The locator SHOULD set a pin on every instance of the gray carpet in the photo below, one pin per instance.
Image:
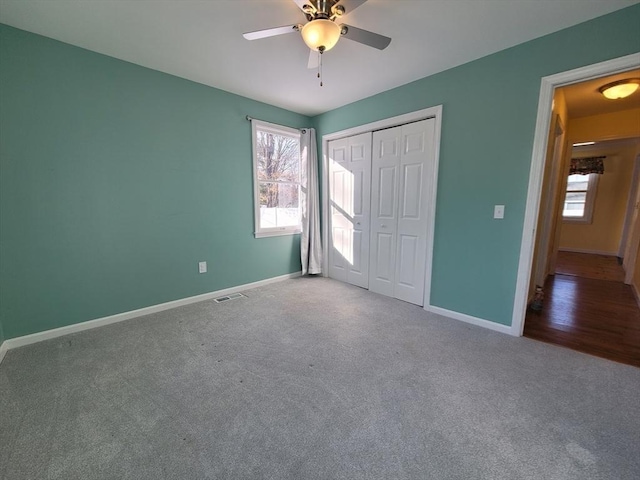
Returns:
(313, 379)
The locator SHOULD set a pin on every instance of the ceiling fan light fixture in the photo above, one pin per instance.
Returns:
(620, 89)
(320, 34)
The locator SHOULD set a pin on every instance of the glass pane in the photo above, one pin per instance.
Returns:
(279, 205)
(573, 210)
(576, 197)
(574, 204)
(582, 184)
(278, 157)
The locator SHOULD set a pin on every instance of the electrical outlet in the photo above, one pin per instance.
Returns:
(202, 267)
(498, 211)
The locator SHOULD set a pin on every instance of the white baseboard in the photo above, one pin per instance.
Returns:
(120, 317)
(469, 319)
(586, 250)
(3, 350)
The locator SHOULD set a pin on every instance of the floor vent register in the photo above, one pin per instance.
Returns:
(227, 298)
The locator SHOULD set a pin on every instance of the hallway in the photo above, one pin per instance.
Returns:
(587, 308)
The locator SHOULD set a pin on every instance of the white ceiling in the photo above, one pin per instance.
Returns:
(202, 40)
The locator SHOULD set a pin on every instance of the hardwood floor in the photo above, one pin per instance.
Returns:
(601, 267)
(594, 316)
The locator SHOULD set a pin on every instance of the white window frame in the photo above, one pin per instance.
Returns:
(259, 231)
(590, 201)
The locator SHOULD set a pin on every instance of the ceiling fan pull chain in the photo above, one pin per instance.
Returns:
(320, 68)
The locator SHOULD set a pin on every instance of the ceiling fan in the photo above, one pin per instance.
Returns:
(321, 32)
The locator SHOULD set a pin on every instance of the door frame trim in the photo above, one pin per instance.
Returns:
(547, 87)
(631, 204)
(633, 234)
(544, 243)
(434, 112)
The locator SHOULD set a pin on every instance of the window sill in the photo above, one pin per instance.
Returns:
(278, 233)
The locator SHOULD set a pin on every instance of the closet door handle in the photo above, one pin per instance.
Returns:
(383, 226)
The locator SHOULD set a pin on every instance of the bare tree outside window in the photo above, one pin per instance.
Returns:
(279, 161)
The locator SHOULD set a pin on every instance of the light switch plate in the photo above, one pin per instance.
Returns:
(498, 211)
(202, 267)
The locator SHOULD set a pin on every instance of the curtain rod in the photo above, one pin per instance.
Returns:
(303, 130)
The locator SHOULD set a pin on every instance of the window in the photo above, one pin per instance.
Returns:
(276, 176)
(579, 198)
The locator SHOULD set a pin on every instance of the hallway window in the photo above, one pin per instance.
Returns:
(579, 198)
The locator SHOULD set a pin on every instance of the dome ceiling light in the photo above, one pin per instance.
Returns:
(320, 35)
(620, 89)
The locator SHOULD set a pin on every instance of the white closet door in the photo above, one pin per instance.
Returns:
(402, 160)
(339, 206)
(416, 157)
(349, 204)
(360, 170)
(384, 209)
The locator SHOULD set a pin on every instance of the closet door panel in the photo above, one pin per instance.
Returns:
(417, 152)
(349, 203)
(387, 193)
(411, 200)
(407, 259)
(384, 256)
(360, 171)
(339, 206)
(384, 209)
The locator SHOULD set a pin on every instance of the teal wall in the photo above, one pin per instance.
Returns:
(115, 181)
(489, 114)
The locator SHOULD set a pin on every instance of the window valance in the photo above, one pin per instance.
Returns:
(585, 166)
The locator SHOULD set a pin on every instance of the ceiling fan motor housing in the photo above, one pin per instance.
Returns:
(323, 9)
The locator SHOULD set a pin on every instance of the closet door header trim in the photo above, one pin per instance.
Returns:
(431, 112)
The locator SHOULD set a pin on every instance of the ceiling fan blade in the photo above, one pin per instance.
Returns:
(313, 59)
(366, 37)
(348, 5)
(270, 32)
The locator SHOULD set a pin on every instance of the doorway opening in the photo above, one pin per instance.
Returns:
(582, 231)
(587, 305)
